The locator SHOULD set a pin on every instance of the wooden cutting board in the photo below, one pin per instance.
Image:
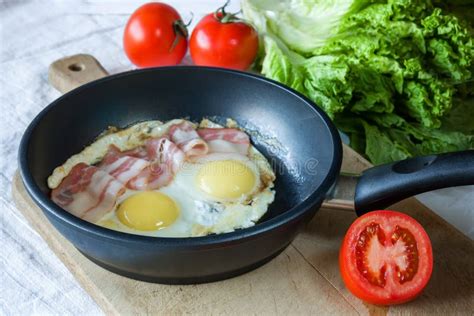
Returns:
(304, 279)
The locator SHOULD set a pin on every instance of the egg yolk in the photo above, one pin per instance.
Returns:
(225, 179)
(148, 210)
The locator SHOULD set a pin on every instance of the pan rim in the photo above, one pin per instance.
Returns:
(239, 235)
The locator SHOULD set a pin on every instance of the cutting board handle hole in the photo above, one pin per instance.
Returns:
(76, 67)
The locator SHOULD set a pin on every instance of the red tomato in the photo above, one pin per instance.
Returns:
(155, 36)
(221, 40)
(386, 258)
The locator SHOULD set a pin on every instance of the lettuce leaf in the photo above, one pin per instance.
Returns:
(303, 25)
(388, 137)
(386, 71)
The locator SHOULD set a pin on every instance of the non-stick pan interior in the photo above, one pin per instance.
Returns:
(295, 138)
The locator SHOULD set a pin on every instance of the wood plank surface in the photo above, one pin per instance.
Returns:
(304, 279)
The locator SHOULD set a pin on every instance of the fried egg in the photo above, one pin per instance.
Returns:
(220, 177)
(215, 193)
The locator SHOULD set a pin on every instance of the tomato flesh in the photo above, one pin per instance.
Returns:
(155, 36)
(386, 258)
(231, 45)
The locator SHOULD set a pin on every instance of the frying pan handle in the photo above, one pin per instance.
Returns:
(71, 72)
(381, 186)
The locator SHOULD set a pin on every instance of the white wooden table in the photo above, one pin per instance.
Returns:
(32, 35)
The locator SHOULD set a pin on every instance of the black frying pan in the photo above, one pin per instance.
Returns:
(298, 138)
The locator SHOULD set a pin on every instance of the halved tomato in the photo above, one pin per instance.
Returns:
(386, 258)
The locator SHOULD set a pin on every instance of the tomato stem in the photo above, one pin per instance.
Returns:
(225, 17)
(190, 20)
(180, 30)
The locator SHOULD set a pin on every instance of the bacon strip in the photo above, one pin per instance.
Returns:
(165, 151)
(123, 166)
(185, 136)
(88, 192)
(154, 177)
(166, 158)
(225, 140)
